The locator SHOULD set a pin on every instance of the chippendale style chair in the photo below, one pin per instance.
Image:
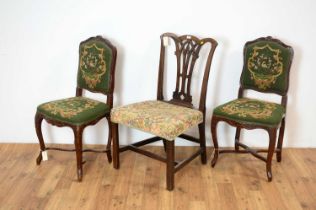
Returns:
(267, 64)
(169, 119)
(97, 59)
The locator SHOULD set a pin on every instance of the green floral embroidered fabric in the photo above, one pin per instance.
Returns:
(266, 66)
(95, 59)
(245, 110)
(159, 118)
(75, 110)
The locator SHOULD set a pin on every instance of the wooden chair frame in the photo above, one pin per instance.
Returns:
(272, 131)
(187, 52)
(78, 129)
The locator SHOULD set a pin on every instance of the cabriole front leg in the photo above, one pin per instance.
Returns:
(280, 141)
(78, 145)
(272, 139)
(214, 137)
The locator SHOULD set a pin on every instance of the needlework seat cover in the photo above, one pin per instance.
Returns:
(74, 110)
(157, 117)
(245, 110)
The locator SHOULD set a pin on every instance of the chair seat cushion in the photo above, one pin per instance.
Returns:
(75, 110)
(251, 111)
(157, 117)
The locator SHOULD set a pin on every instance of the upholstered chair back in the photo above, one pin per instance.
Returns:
(96, 58)
(266, 68)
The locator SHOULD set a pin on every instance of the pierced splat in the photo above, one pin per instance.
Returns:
(187, 54)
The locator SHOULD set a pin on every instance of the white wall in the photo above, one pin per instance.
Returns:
(39, 56)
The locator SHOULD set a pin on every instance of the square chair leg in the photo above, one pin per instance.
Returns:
(116, 145)
(170, 164)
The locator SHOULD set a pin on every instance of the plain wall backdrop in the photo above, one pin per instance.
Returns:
(39, 58)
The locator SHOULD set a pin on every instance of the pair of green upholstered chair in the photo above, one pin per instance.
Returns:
(267, 64)
(97, 59)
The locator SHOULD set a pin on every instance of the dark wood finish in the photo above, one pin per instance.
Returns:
(78, 129)
(116, 149)
(141, 143)
(280, 140)
(272, 138)
(187, 49)
(170, 170)
(202, 142)
(190, 138)
(272, 131)
(108, 145)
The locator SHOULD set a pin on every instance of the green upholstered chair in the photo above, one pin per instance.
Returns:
(97, 58)
(267, 64)
(169, 119)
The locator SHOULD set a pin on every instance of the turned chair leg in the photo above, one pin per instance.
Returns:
(38, 127)
(202, 142)
(280, 141)
(214, 137)
(237, 135)
(116, 155)
(272, 139)
(170, 165)
(108, 146)
(78, 145)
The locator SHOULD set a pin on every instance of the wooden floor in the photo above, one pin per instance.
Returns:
(237, 182)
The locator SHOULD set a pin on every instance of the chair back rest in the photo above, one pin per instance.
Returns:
(187, 49)
(267, 63)
(97, 58)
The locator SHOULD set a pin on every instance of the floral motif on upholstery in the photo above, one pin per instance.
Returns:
(245, 107)
(92, 65)
(159, 118)
(265, 65)
(68, 108)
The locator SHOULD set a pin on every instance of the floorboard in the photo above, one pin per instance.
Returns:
(237, 182)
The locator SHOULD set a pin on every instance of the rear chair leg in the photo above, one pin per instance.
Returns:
(38, 127)
(237, 135)
(202, 142)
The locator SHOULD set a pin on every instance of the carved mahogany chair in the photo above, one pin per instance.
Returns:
(97, 59)
(169, 119)
(267, 64)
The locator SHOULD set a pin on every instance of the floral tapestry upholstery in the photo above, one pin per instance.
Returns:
(95, 59)
(245, 110)
(75, 110)
(156, 117)
(266, 66)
